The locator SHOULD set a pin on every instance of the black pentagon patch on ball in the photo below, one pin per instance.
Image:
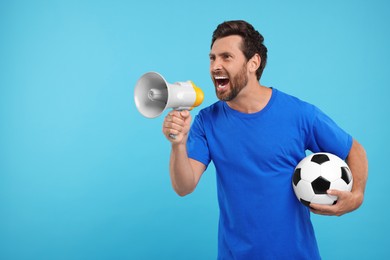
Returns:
(297, 176)
(320, 158)
(345, 175)
(320, 185)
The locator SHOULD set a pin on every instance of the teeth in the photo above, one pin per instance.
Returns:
(221, 80)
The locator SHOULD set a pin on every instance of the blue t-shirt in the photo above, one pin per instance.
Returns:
(255, 156)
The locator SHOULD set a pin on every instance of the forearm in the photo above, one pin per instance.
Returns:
(181, 172)
(358, 163)
(348, 201)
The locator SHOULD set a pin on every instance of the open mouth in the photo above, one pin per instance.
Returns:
(221, 81)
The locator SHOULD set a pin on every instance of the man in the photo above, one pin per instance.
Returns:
(255, 137)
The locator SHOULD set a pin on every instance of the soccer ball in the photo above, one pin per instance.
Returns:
(316, 174)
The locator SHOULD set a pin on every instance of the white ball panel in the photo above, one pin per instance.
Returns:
(303, 190)
(331, 171)
(338, 185)
(303, 161)
(322, 199)
(335, 159)
(310, 171)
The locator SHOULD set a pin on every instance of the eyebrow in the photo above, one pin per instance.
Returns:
(221, 54)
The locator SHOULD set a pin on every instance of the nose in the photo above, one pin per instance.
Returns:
(215, 65)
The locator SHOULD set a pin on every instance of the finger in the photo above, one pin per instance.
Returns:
(328, 210)
(169, 127)
(320, 212)
(175, 113)
(167, 131)
(320, 207)
(168, 118)
(173, 125)
(178, 121)
(172, 132)
(337, 193)
(185, 113)
(175, 117)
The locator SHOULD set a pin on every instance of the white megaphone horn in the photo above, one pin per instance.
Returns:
(153, 94)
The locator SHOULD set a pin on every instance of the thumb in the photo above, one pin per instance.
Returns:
(185, 113)
(337, 193)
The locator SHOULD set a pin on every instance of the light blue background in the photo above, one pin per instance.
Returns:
(84, 176)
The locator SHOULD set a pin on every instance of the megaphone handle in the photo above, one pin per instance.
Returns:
(173, 136)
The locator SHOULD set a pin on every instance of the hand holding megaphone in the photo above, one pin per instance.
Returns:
(153, 94)
(177, 125)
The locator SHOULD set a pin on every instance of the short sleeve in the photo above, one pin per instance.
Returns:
(327, 136)
(197, 145)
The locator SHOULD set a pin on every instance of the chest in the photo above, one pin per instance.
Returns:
(269, 143)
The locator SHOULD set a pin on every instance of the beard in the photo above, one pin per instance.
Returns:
(237, 83)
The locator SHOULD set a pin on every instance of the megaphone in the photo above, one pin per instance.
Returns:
(153, 94)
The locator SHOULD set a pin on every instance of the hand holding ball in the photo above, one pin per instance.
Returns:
(316, 174)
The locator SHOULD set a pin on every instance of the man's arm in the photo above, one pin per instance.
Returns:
(185, 172)
(348, 201)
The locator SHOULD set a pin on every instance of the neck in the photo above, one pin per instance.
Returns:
(251, 99)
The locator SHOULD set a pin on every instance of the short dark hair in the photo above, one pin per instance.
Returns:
(253, 41)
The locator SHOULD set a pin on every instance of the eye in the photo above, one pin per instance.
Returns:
(226, 56)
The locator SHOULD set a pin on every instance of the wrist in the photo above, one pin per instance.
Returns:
(179, 140)
(178, 145)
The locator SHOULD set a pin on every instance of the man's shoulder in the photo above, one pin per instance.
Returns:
(287, 100)
(211, 109)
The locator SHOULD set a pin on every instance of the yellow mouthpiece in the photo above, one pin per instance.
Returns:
(199, 95)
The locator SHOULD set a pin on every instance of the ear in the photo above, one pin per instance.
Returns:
(254, 63)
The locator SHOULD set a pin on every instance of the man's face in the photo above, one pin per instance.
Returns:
(228, 67)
